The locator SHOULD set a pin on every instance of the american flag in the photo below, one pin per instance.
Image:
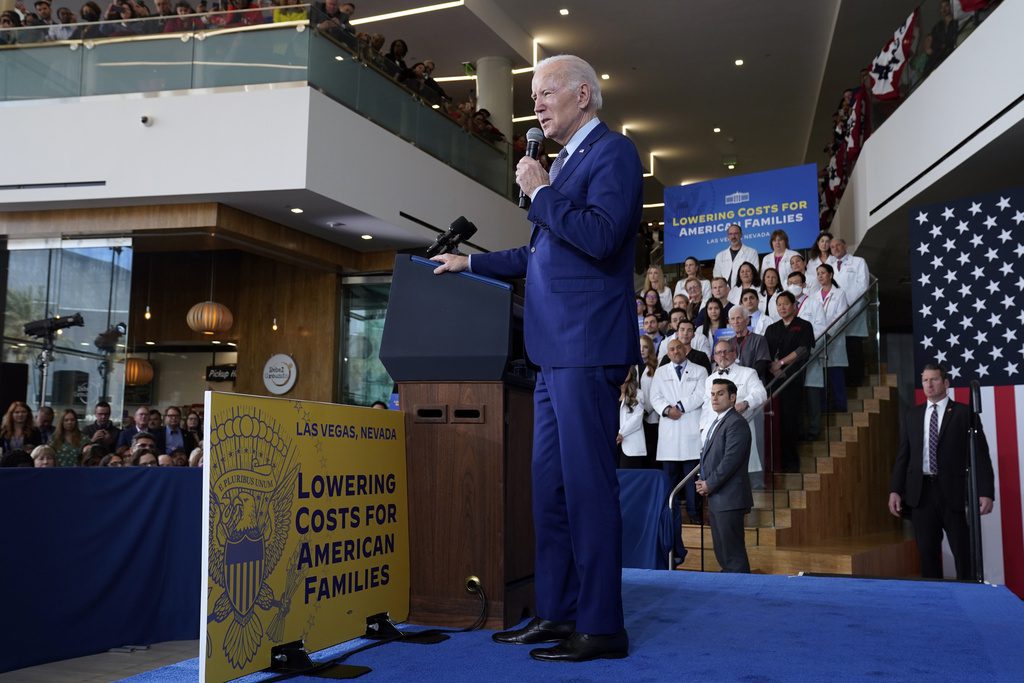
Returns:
(887, 67)
(968, 298)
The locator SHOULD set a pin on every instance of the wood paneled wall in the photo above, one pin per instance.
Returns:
(306, 303)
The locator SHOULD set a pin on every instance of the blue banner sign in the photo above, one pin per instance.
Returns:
(697, 215)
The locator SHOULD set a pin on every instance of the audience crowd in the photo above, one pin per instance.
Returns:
(757, 322)
(147, 439)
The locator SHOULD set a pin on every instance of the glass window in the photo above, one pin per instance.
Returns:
(54, 281)
(364, 306)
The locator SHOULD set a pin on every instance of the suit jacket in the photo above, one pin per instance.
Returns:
(724, 462)
(953, 457)
(580, 310)
(127, 434)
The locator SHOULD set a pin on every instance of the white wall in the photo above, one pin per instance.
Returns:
(199, 143)
(207, 143)
(393, 176)
(180, 378)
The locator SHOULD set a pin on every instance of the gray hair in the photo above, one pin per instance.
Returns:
(576, 72)
(741, 311)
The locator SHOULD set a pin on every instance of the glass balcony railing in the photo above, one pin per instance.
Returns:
(223, 49)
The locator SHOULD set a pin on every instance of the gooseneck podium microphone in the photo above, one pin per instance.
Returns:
(534, 137)
(459, 231)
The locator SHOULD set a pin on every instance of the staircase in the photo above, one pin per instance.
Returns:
(832, 516)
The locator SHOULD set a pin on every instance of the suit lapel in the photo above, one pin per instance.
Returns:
(946, 419)
(581, 152)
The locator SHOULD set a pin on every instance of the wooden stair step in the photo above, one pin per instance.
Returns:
(780, 518)
(765, 499)
(838, 420)
(787, 481)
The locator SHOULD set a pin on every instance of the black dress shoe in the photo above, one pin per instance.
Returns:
(582, 647)
(536, 631)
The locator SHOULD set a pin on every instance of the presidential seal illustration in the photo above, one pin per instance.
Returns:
(252, 477)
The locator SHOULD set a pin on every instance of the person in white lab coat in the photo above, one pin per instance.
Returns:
(822, 309)
(677, 394)
(646, 370)
(630, 439)
(750, 399)
(852, 275)
(727, 261)
(779, 256)
(691, 269)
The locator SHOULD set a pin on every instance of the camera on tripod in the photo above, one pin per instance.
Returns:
(47, 327)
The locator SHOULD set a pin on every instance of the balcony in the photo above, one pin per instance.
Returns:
(214, 55)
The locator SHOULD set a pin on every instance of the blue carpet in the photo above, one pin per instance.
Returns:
(685, 625)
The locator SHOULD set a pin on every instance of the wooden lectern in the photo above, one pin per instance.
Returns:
(469, 426)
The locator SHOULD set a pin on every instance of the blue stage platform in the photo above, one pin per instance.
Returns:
(691, 626)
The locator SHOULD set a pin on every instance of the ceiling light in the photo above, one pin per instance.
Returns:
(274, 325)
(654, 206)
(366, 237)
(84, 343)
(650, 225)
(520, 119)
(605, 77)
(564, 12)
(150, 343)
(339, 58)
(738, 62)
(450, 79)
(214, 341)
(731, 166)
(296, 210)
(409, 12)
(716, 129)
(435, 106)
(232, 344)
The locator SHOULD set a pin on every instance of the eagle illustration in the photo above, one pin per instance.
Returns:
(251, 529)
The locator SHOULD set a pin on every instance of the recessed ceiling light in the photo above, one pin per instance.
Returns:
(605, 77)
(366, 237)
(564, 12)
(84, 343)
(731, 166)
(214, 341)
(339, 58)
(738, 62)
(296, 210)
(232, 344)
(150, 343)
(435, 106)
(716, 129)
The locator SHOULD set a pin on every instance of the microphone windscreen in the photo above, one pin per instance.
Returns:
(535, 135)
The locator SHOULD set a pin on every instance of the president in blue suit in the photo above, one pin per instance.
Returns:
(580, 328)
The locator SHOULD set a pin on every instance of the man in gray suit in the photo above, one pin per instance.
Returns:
(723, 477)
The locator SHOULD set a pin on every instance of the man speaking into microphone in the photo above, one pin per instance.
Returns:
(580, 328)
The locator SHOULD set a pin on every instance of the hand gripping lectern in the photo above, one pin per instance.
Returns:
(453, 343)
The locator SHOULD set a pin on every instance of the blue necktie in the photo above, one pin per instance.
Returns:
(557, 166)
(679, 371)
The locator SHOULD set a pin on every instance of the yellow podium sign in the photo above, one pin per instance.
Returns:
(305, 531)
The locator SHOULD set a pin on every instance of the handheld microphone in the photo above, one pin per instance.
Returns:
(534, 137)
(460, 230)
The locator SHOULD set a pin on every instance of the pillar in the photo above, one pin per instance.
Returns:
(494, 91)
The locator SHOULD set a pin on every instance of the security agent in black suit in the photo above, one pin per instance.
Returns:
(932, 482)
(723, 478)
